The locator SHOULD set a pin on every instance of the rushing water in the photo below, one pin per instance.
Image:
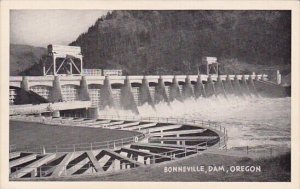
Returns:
(250, 121)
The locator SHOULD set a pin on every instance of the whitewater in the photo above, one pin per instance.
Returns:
(257, 122)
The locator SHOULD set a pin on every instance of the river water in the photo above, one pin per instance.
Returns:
(251, 121)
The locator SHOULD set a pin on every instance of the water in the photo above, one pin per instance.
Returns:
(256, 122)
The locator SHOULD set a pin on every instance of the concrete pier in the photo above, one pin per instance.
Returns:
(106, 91)
(83, 90)
(251, 86)
(199, 88)
(219, 87)
(24, 83)
(56, 94)
(127, 99)
(209, 87)
(228, 85)
(145, 95)
(175, 91)
(106, 94)
(244, 86)
(24, 97)
(187, 90)
(160, 92)
(237, 87)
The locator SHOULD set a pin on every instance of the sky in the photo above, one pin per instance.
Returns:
(43, 27)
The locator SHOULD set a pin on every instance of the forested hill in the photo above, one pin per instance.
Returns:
(25, 57)
(173, 42)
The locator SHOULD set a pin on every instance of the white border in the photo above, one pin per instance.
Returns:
(149, 5)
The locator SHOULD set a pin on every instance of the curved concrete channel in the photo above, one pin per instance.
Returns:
(160, 140)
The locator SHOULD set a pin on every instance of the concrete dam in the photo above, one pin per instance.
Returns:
(65, 85)
(94, 93)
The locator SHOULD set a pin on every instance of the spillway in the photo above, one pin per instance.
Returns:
(130, 92)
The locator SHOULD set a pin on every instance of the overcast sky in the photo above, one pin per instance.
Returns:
(43, 27)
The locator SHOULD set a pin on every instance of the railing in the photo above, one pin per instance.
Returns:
(139, 77)
(12, 148)
(87, 168)
(222, 132)
(108, 166)
(111, 165)
(152, 159)
(45, 171)
(206, 124)
(261, 152)
(215, 126)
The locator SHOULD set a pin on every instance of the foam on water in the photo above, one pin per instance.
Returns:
(250, 121)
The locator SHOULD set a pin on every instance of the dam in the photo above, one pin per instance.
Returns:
(75, 100)
(128, 92)
(64, 80)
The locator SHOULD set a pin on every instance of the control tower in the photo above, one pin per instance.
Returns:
(63, 60)
(210, 65)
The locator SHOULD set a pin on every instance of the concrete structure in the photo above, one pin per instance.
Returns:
(211, 65)
(99, 158)
(127, 92)
(50, 107)
(63, 80)
(63, 60)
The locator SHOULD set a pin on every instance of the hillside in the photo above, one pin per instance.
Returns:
(23, 57)
(174, 42)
